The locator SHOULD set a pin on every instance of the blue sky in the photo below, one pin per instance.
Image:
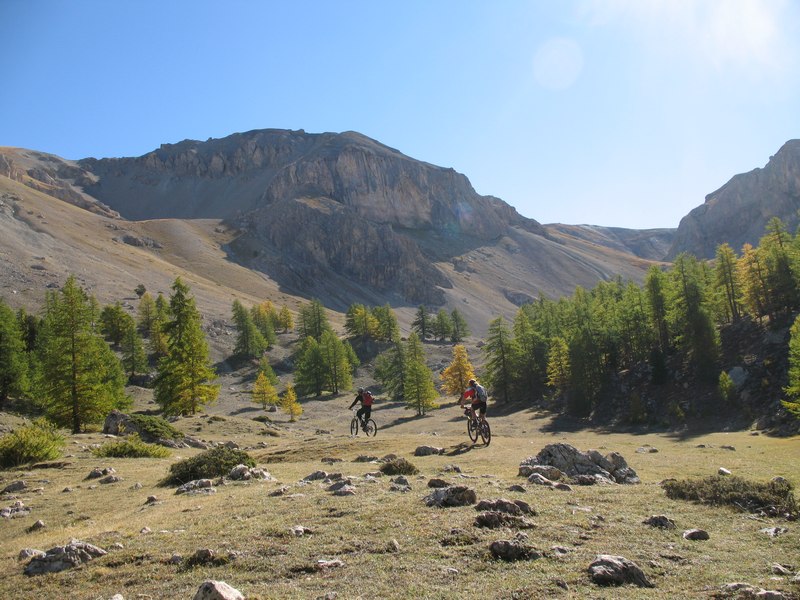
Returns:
(608, 112)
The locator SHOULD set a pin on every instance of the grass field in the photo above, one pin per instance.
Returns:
(439, 553)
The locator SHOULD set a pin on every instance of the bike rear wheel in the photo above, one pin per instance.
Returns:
(371, 428)
(472, 430)
(354, 424)
(486, 432)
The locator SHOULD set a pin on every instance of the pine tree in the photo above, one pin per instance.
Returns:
(250, 342)
(158, 338)
(183, 385)
(455, 378)
(422, 323)
(442, 326)
(419, 391)
(460, 327)
(337, 362)
(264, 392)
(13, 361)
(387, 328)
(112, 321)
(500, 352)
(313, 320)
(390, 370)
(146, 313)
(529, 370)
(134, 360)
(779, 260)
(311, 372)
(78, 380)
(656, 293)
(285, 319)
(290, 405)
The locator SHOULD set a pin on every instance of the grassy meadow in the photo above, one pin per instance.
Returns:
(439, 552)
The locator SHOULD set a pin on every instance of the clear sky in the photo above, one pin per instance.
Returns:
(608, 112)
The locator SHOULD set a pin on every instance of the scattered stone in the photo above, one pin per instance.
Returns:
(564, 487)
(281, 491)
(401, 480)
(437, 483)
(27, 553)
(451, 469)
(745, 591)
(723, 471)
(197, 485)
(117, 597)
(364, 458)
(455, 495)
(731, 448)
(300, 531)
(61, 558)
(547, 471)
(588, 479)
(346, 490)
(151, 500)
(539, 479)
(316, 476)
(245, 473)
(97, 473)
(559, 550)
(330, 460)
(137, 486)
(511, 507)
(428, 451)
(16, 486)
(117, 546)
(175, 559)
(338, 485)
(696, 534)
(646, 450)
(217, 590)
(145, 530)
(511, 550)
(572, 462)
(110, 479)
(660, 521)
(516, 488)
(16, 510)
(323, 565)
(617, 570)
(67, 490)
(774, 531)
(393, 546)
(36, 526)
(493, 519)
(784, 570)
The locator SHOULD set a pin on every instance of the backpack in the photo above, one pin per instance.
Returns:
(480, 392)
(366, 399)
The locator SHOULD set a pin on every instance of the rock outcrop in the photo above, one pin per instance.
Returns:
(573, 462)
(739, 211)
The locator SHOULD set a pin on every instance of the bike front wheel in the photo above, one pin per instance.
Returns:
(354, 426)
(486, 432)
(371, 429)
(472, 430)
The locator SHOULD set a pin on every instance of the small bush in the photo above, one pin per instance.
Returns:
(773, 498)
(216, 462)
(399, 466)
(30, 443)
(726, 387)
(153, 427)
(131, 447)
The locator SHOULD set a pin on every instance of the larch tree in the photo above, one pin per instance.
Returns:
(285, 319)
(558, 366)
(183, 383)
(460, 326)
(134, 359)
(264, 392)
(13, 360)
(337, 362)
(79, 380)
(311, 372)
(500, 351)
(390, 370)
(422, 322)
(418, 389)
(387, 329)
(250, 343)
(290, 405)
(455, 378)
(313, 320)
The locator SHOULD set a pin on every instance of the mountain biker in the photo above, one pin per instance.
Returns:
(477, 393)
(365, 412)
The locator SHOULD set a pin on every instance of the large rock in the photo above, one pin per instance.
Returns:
(573, 462)
(61, 558)
(455, 495)
(217, 590)
(511, 550)
(607, 569)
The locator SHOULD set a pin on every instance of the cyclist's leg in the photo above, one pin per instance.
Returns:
(360, 414)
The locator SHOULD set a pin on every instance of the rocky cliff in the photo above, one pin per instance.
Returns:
(738, 212)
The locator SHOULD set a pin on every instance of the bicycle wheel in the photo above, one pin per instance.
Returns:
(354, 426)
(472, 430)
(371, 429)
(486, 432)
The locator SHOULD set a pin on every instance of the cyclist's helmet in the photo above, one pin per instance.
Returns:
(472, 382)
(360, 390)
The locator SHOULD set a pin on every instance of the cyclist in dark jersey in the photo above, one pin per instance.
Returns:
(477, 394)
(365, 412)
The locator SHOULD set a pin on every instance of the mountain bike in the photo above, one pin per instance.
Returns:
(477, 427)
(370, 428)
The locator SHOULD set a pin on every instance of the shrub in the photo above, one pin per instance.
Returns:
(131, 447)
(399, 466)
(726, 387)
(30, 443)
(153, 427)
(216, 462)
(773, 498)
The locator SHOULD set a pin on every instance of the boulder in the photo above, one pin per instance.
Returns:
(573, 462)
(454, 495)
(437, 483)
(217, 590)
(511, 507)
(695, 534)
(15, 486)
(660, 521)
(511, 550)
(428, 451)
(197, 485)
(494, 519)
(607, 569)
(61, 558)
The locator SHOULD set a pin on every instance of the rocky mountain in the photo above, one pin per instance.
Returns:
(343, 218)
(738, 212)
